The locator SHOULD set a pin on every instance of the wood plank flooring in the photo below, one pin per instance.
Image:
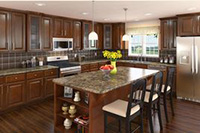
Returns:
(38, 118)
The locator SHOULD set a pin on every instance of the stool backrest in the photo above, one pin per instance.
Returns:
(137, 94)
(156, 85)
(170, 78)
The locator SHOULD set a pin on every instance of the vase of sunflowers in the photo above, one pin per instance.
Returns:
(113, 56)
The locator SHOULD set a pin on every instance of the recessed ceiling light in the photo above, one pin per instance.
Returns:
(85, 13)
(40, 4)
(192, 8)
(106, 19)
(136, 20)
(148, 14)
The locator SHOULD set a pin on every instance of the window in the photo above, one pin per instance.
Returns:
(146, 45)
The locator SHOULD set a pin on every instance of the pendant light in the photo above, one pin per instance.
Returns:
(93, 35)
(125, 36)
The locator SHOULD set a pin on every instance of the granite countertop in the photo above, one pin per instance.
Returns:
(25, 70)
(127, 61)
(94, 82)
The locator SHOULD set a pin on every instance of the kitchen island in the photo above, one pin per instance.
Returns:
(100, 91)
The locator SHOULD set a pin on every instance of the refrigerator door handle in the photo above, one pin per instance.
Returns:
(192, 58)
(196, 59)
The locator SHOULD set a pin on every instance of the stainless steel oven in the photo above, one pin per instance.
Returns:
(62, 44)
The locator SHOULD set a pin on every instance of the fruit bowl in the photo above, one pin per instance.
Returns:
(106, 71)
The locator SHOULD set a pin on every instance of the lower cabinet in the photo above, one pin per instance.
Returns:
(49, 86)
(1, 96)
(34, 89)
(15, 94)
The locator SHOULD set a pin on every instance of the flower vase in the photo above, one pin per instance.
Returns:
(114, 70)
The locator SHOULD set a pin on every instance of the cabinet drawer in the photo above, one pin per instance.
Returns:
(15, 78)
(94, 67)
(1, 80)
(85, 68)
(51, 72)
(33, 75)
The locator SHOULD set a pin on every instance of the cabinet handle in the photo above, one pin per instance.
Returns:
(65, 32)
(62, 32)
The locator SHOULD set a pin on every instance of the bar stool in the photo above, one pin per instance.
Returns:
(123, 110)
(167, 89)
(152, 98)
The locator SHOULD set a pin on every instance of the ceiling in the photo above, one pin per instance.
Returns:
(108, 11)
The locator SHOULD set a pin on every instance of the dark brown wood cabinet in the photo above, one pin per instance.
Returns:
(15, 94)
(34, 32)
(1, 96)
(118, 32)
(49, 86)
(35, 89)
(4, 30)
(58, 27)
(77, 35)
(98, 28)
(18, 23)
(168, 33)
(86, 29)
(187, 25)
(107, 39)
(68, 28)
(47, 31)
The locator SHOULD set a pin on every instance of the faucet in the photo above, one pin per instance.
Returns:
(139, 58)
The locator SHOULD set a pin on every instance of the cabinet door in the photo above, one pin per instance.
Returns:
(77, 35)
(118, 32)
(99, 30)
(4, 31)
(68, 28)
(35, 89)
(165, 37)
(1, 96)
(173, 34)
(15, 94)
(49, 86)
(186, 25)
(34, 33)
(58, 27)
(86, 29)
(108, 36)
(47, 33)
(18, 32)
(198, 25)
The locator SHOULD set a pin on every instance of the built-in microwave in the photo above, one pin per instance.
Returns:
(62, 44)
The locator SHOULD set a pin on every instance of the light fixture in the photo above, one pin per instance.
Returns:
(93, 35)
(40, 4)
(125, 36)
(85, 13)
(106, 19)
(148, 14)
(192, 8)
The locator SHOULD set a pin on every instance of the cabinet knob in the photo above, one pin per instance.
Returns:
(35, 75)
(16, 78)
(51, 72)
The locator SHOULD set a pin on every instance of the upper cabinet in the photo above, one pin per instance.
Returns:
(118, 32)
(168, 33)
(107, 30)
(189, 25)
(77, 35)
(63, 28)
(47, 31)
(98, 28)
(34, 32)
(4, 30)
(86, 29)
(12, 31)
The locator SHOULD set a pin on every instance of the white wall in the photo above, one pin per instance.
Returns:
(143, 23)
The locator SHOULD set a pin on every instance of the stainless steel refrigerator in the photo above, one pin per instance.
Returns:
(188, 68)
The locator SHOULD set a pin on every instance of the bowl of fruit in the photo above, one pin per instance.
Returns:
(106, 71)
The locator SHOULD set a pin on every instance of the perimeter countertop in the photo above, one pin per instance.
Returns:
(127, 61)
(25, 70)
(94, 82)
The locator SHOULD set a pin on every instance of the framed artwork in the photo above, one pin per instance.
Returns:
(68, 92)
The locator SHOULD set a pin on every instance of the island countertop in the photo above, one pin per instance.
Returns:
(94, 82)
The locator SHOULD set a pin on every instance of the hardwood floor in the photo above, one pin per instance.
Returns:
(38, 118)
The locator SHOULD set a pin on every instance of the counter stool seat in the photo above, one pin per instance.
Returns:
(119, 107)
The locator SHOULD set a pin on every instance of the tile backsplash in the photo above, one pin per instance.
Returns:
(13, 60)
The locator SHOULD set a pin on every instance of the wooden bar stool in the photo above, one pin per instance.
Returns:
(123, 110)
(152, 99)
(167, 89)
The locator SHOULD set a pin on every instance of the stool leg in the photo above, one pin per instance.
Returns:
(159, 115)
(120, 126)
(150, 118)
(171, 102)
(141, 118)
(105, 123)
(165, 106)
(128, 126)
